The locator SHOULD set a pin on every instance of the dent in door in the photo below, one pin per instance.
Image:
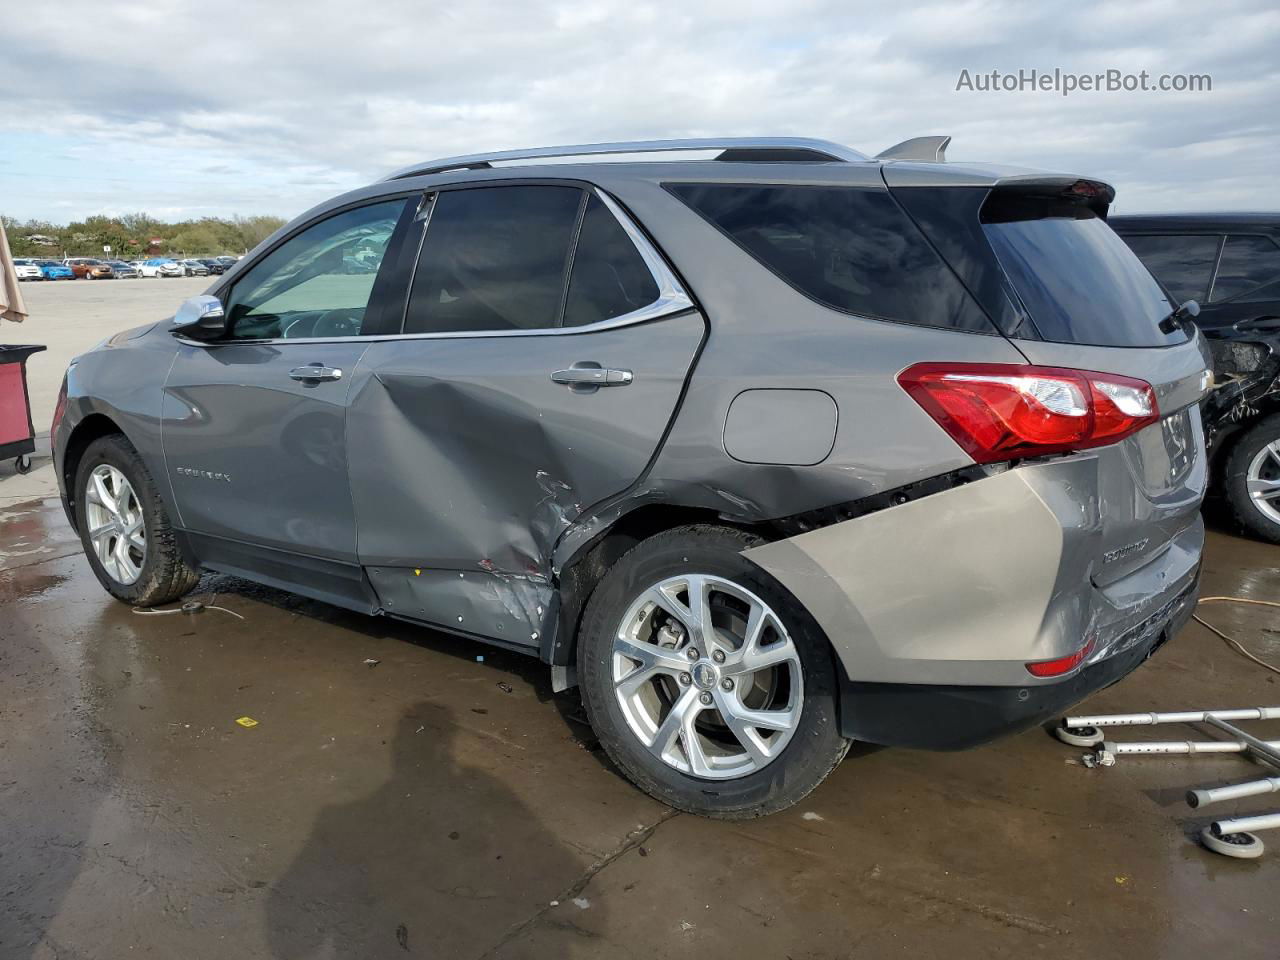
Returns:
(467, 457)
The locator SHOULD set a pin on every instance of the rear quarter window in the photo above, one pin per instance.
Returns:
(1078, 280)
(849, 248)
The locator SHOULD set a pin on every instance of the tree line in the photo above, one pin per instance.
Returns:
(136, 235)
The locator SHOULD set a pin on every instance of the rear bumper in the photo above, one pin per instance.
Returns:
(935, 607)
(953, 717)
(967, 586)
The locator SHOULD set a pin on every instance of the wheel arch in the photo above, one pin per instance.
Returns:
(92, 427)
(583, 570)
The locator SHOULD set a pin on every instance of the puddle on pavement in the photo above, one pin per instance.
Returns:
(34, 530)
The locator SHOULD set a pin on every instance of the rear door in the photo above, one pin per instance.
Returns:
(254, 423)
(543, 353)
(1095, 307)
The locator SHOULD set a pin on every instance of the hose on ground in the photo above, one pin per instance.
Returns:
(1230, 641)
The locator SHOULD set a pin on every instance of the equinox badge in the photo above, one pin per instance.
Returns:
(203, 474)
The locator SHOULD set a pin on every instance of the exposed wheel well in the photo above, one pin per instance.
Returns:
(580, 576)
(87, 430)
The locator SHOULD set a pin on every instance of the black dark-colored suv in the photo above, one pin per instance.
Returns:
(1230, 264)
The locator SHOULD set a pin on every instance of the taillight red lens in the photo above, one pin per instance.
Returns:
(999, 411)
(1056, 668)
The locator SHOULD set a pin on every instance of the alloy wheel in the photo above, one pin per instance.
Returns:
(707, 677)
(1263, 481)
(115, 524)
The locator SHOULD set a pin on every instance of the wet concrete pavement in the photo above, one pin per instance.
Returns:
(435, 806)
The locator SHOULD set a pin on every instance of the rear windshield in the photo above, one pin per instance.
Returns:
(850, 248)
(1077, 279)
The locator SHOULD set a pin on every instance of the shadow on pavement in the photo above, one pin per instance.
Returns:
(422, 867)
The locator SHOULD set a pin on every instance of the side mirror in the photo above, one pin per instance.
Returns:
(200, 317)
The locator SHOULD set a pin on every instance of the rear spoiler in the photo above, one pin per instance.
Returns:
(927, 149)
(1094, 194)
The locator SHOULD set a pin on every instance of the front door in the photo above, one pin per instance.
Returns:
(544, 351)
(254, 423)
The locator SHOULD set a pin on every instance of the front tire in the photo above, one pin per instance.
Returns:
(707, 683)
(1252, 487)
(124, 527)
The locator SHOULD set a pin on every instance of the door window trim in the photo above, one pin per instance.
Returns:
(673, 298)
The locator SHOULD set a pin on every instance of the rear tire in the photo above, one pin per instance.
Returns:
(760, 737)
(115, 491)
(1253, 463)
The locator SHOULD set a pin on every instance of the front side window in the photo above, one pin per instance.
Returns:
(1247, 263)
(1183, 264)
(319, 281)
(494, 258)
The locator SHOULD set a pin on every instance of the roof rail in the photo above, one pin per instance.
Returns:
(789, 148)
(929, 149)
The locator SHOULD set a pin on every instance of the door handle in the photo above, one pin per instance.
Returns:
(314, 372)
(592, 376)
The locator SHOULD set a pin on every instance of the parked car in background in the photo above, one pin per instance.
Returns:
(554, 416)
(161, 267)
(213, 266)
(122, 269)
(1230, 264)
(89, 268)
(27, 270)
(194, 268)
(55, 270)
(227, 262)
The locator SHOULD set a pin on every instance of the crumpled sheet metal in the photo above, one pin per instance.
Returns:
(511, 609)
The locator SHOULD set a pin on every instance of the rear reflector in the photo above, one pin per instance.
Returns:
(999, 411)
(1056, 668)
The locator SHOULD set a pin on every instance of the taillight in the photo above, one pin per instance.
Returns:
(1056, 668)
(1004, 411)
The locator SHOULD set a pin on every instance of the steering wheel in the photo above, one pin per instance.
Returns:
(342, 322)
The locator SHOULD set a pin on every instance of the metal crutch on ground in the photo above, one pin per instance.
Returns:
(1232, 837)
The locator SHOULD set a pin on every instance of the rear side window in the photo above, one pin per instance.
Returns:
(1183, 264)
(1247, 263)
(609, 276)
(1078, 280)
(850, 248)
(494, 258)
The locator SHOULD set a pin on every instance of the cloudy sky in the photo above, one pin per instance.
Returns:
(214, 108)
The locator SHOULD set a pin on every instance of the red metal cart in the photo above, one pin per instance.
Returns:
(17, 435)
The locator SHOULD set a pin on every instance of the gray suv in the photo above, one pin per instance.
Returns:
(767, 449)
